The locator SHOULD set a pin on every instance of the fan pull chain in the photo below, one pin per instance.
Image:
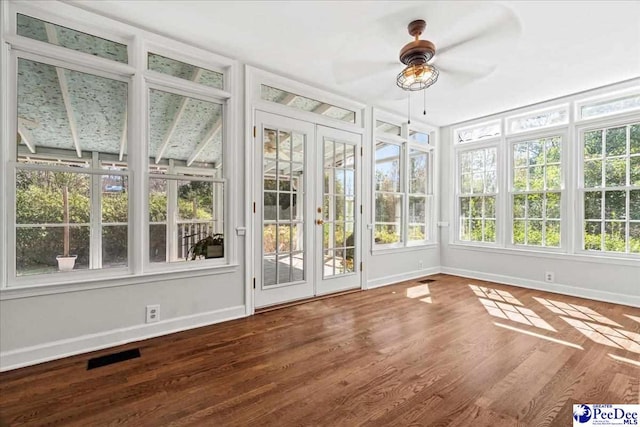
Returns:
(409, 107)
(424, 112)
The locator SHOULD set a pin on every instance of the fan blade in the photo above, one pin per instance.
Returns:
(351, 71)
(499, 23)
(462, 71)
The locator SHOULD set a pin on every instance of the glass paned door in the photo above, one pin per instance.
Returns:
(338, 212)
(283, 270)
(307, 195)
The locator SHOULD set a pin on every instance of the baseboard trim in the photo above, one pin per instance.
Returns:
(623, 299)
(28, 356)
(395, 278)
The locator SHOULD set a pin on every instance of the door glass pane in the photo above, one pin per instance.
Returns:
(339, 205)
(283, 220)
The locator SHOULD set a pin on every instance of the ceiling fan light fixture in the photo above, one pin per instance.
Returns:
(417, 77)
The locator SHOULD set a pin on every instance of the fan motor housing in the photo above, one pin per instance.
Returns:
(417, 52)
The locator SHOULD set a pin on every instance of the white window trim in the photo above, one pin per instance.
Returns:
(571, 173)
(564, 229)
(610, 96)
(406, 145)
(510, 119)
(457, 151)
(581, 129)
(135, 74)
(256, 77)
(476, 124)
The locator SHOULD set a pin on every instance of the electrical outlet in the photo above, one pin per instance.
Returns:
(549, 277)
(153, 313)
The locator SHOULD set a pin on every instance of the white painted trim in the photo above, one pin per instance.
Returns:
(396, 278)
(118, 278)
(5, 134)
(557, 288)
(27, 356)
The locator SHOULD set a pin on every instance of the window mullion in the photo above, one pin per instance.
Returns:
(404, 190)
(172, 217)
(95, 233)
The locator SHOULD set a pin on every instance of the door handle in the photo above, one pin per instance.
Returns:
(319, 221)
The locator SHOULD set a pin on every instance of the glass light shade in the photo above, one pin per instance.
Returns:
(417, 77)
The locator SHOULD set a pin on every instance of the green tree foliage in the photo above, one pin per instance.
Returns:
(39, 201)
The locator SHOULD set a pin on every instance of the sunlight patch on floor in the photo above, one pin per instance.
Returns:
(517, 314)
(624, 359)
(576, 311)
(420, 291)
(494, 294)
(544, 337)
(601, 334)
(636, 318)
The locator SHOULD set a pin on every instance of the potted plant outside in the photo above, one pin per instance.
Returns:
(66, 262)
(209, 247)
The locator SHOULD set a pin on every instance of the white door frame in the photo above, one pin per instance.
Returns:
(254, 78)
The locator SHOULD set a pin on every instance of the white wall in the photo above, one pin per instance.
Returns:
(386, 268)
(574, 275)
(47, 327)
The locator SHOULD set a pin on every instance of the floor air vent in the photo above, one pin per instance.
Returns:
(110, 359)
(426, 281)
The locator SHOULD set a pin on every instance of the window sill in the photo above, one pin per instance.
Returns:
(399, 249)
(17, 291)
(552, 253)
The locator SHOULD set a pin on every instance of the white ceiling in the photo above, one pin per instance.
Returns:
(526, 51)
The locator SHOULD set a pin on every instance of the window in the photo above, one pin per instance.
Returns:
(403, 191)
(184, 71)
(536, 191)
(71, 194)
(302, 103)
(389, 196)
(387, 128)
(186, 189)
(421, 138)
(55, 34)
(419, 195)
(477, 191)
(611, 189)
(619, 104)
(539, 120)
(70, 215)
(478, 132)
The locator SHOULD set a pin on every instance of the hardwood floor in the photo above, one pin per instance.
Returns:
(395, 356)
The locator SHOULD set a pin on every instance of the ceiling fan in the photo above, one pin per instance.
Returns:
(471, 41)
(418, 74)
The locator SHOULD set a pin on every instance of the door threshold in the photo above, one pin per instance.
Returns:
(304, 301)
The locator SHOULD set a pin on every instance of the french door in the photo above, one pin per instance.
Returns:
(307, 216)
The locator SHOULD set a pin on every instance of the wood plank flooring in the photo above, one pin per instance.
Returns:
(440, 354)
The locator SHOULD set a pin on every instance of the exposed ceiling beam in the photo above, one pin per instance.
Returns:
(64, 88)
(26, 137)
(176, 120)
(123, 137)
(287, 100)
(217, 127)
(25, 134)
(322, 108)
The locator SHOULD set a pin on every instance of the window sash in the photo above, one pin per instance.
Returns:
(404, 225)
